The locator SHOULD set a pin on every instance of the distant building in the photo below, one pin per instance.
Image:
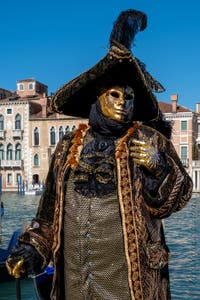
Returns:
(29, 132)
(5, 94)
(31, 87)
(185, 135)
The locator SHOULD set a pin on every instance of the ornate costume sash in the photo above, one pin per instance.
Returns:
(127, 207)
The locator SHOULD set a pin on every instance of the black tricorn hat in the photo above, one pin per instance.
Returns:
(118, 67)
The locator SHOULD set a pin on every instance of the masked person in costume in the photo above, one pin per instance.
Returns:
(109, 185)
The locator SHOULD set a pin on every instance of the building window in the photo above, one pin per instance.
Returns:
(30, 86)
(21, 87)
(1, 122)
(36, 160)
(184, 125)
(1, 152)
(9, 152)
(73, 127)
(67, 129)
(18, 151)
(9, 111)
(198, 128)
(18, 176)
(36, 137)
(183, 152)
(18, 121)
(52, 136)
(9, 178)
(184, 155)
(61, 133)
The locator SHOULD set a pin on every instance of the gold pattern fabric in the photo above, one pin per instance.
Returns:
(142, 201)
(94, 255)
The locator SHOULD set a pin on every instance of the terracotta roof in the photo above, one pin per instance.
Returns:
(26, 80)
(30, 80)
(167, 108)
(8, 91)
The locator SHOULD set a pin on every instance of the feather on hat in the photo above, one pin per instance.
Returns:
(118, 67)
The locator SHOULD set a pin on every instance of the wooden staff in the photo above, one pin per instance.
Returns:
(16, 270)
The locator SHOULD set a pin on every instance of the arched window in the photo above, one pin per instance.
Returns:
(61, 133)
(18, 152)
(67, 129)
(21, 87)
(1, 151)
(36, 137)
(9, 152)
(36, 160)
(18, 121)
(73, 127)
(9, 178)
(52, 136)
(30, 86)
(1, 122)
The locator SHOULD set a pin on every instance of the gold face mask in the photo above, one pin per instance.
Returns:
(117, 103)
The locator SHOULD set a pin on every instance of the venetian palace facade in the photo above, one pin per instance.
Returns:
(29, 132)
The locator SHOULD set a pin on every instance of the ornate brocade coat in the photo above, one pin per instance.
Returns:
(143, 202)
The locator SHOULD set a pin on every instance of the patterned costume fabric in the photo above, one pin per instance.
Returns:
(102, 243)
(99, 220)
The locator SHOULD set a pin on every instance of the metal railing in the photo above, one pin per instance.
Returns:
(11, 163)
(185, 162)
(17, 133)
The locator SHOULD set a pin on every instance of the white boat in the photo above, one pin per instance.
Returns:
(34, 192)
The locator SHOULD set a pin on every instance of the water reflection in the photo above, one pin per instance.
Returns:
(182, 234)
(18, 211)
(183, 237)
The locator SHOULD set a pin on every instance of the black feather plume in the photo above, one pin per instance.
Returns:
(126, 27)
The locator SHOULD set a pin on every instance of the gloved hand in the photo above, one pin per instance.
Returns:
(24, 259)
(147, 156)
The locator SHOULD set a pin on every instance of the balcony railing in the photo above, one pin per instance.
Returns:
(11, 163)
(185, 162)
(17, 134)
(196, 163)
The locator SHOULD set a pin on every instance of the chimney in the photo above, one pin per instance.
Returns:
(174, 99)
(44, 110)
(198, 107)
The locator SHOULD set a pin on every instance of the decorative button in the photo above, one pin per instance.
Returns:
(88, 235)
(102, 146)
(90, 264)
(36, 225)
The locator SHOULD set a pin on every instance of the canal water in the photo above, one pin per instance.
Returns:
(182, 232)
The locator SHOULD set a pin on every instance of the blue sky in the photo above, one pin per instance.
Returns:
(54, 41)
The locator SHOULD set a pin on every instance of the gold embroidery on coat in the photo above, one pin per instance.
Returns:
(128, 218)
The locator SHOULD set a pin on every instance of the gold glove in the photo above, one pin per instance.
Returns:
(147, 156)
(15, 266)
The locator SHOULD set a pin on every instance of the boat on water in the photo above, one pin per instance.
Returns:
(34, 192)
(42, 282)
(4, 253)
